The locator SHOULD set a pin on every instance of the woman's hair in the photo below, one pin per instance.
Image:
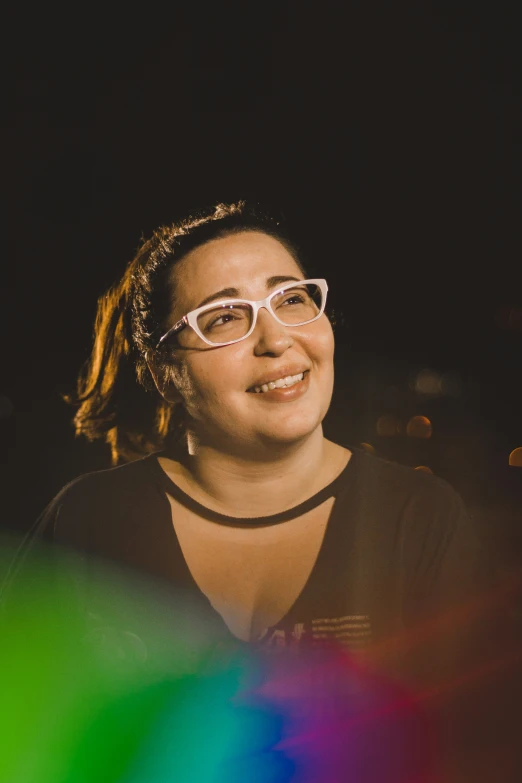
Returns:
(117, 399)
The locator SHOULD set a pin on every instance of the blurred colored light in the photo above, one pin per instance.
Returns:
(80, 707)
(427, 382)
(368, 448)
(424, 469)
(515, 458)
(419, 427)
(387, 426)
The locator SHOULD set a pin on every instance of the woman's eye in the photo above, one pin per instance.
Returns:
(293, 299)
(222, 320)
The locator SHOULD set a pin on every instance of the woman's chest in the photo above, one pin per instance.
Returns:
(252, 577)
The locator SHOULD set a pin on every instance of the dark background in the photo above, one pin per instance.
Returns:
(390, 136)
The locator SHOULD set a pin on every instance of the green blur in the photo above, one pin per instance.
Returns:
(83, 702)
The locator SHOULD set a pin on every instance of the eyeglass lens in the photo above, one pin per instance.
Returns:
(231, 321)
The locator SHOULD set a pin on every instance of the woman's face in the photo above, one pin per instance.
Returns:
(216, 384)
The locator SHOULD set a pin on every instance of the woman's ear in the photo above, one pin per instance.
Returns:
(163, 378)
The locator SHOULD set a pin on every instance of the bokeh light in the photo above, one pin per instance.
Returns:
(430, 383)
(368, 448)
(515, 458)
(427, 382)
(419, 427)
(423, 469)
(387, 426)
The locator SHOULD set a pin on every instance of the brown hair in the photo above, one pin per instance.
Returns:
(116, 397)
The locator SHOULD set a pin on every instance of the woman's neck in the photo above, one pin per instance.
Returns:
(242, 487)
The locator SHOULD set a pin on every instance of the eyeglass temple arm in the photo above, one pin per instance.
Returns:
(178, 326)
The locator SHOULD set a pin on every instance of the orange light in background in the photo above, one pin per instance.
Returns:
(368, 448)
(419, 427)
(427, 382)
(388, 426)
(431, 383)
(515, 458)
(424, 469)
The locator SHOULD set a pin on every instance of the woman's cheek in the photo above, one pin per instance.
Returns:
(321, 346)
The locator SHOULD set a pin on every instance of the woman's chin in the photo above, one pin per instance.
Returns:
(288, 436)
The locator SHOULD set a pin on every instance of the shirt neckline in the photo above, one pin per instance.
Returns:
(249, 522)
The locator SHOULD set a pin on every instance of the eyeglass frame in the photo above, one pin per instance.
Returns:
(190, 319)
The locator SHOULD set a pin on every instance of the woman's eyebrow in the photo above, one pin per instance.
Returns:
(234, 292)
(223, 294)
(278, 279)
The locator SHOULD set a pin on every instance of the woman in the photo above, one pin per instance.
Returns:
(211, 374)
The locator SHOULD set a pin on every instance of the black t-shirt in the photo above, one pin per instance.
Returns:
(399, 552)
(401, 580)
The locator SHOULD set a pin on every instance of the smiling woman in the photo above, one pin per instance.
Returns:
(177, 299)
(268, 327)
(210, 377)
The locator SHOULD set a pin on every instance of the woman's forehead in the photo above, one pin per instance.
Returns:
(244, 261)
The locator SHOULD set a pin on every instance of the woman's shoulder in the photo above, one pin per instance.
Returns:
(406, 484)
(107, 483)
(101, 499)
(424, 512)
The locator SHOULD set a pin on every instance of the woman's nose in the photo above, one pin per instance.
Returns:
(272, 337)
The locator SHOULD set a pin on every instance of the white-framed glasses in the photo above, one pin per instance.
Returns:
(231, 320)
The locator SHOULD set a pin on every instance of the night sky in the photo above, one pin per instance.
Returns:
(390, 136)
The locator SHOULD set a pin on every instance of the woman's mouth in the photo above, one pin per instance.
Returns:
(283, 389)
(280, 383)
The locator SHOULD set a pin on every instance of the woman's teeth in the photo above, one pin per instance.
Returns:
(281, 383)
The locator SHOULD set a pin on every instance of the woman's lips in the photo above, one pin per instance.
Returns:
(285, 394)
